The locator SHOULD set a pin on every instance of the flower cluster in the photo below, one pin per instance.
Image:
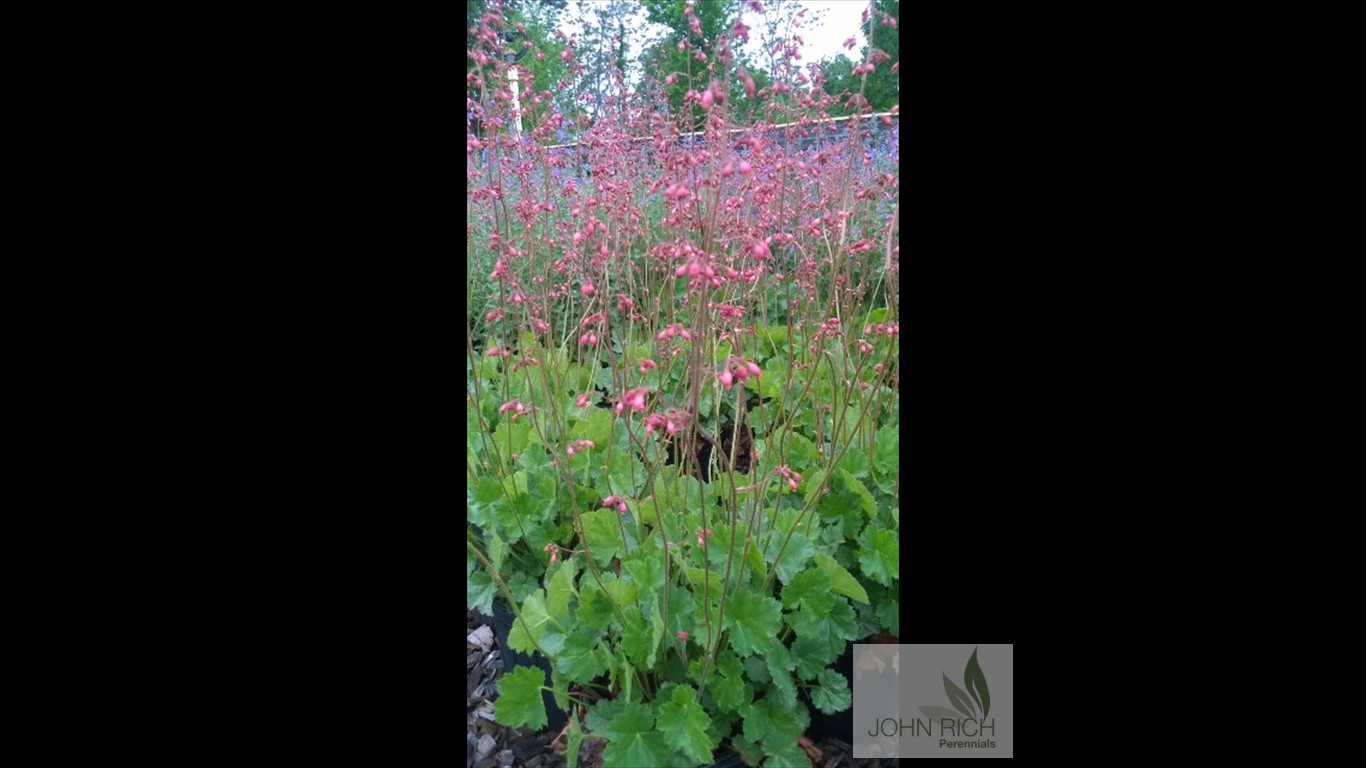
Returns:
(674, 330)
(738, 370)
(669, 421)
(890, 329)
(615, 501)
(634, 399)
(793, 478)
(515, 406)
(578, 447)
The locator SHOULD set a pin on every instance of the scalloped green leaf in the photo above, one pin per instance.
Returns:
(530, 625)
(685, 725)
(728, 687)
(831, 694)
(813, 654)
(594, 611)
(810, 592)
(479, 591)
(879, 555)
(841, 580)
(794, 558)
(583, 657)
(753, 621)
(603, 530)
(633, 741)
(560, 589)
(519, 700)
(780, 664)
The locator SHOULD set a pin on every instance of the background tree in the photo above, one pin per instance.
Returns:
(663, 59)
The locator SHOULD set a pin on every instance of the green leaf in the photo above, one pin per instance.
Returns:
(516, 434)
(519, 698)
(533, 620)
(841, 580)
(855, 493)
(684, 725)
(813, 655)
(810, 591)
(582, 658)
(889, 613)
(976, 683)
(753, 621)
(596, 427)
(784, 753)
(886, 450)
(755, 718)
(780, 664)
(633, 741)
(560, 589)
(571, 752)
(594, 611)
(958, 699)
(479, 591)
(729, 688)
(855, 461)
(831, 694)
(656, 634)
(636, 637)
(603, 531)
(795, 557)
(879, 555)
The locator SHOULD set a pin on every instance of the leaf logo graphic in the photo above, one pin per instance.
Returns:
(976, 683)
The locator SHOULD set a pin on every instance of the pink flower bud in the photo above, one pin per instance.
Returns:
(569, 450)
(727, 170)
(671, 427)
(707, 99)
(727, 379)
(621, 507)
(753, 368)
(609, 501)
(681, 271)
(586, 290)
(745, 167)
(582, 400)
(792, 484)
(682, 635)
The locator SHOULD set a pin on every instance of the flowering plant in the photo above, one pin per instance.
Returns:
(682, 418)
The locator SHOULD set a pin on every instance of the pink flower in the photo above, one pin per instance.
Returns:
(707, 99)
(621, 507)
(682, 635)
(647, 364)
(587, 290)
(554, 552)
(609, 501)
(753, 368)
(745, 167)
(727, 379)
(582, 400)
